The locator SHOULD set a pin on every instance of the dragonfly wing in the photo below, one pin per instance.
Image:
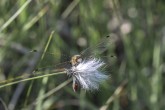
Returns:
(99, 49)
(58, 67)
(51, 54)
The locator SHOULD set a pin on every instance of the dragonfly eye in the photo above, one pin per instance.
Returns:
(75, 60)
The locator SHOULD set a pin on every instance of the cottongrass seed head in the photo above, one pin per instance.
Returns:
(88, 74)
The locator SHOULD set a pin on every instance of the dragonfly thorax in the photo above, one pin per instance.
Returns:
(75, 60)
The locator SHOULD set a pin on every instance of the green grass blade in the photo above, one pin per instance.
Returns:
(28, 79)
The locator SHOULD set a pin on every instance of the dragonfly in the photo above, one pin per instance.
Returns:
(84, 68)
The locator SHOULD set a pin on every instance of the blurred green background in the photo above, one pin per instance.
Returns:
(138, 27)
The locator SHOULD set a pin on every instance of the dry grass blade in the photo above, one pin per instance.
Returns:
(115, 95)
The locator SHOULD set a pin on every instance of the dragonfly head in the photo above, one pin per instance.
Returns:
(75, 60)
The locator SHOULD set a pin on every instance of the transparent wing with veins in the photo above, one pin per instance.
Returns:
(90, 52)
(53, 67)
(58, 67)
(99, 49)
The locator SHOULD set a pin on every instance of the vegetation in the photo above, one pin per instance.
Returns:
(58, 29)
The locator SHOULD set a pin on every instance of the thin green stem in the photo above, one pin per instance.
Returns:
(28, 79)
(15, 15)
(45, 79)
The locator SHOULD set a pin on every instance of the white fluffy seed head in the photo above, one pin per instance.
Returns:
(87, 73)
